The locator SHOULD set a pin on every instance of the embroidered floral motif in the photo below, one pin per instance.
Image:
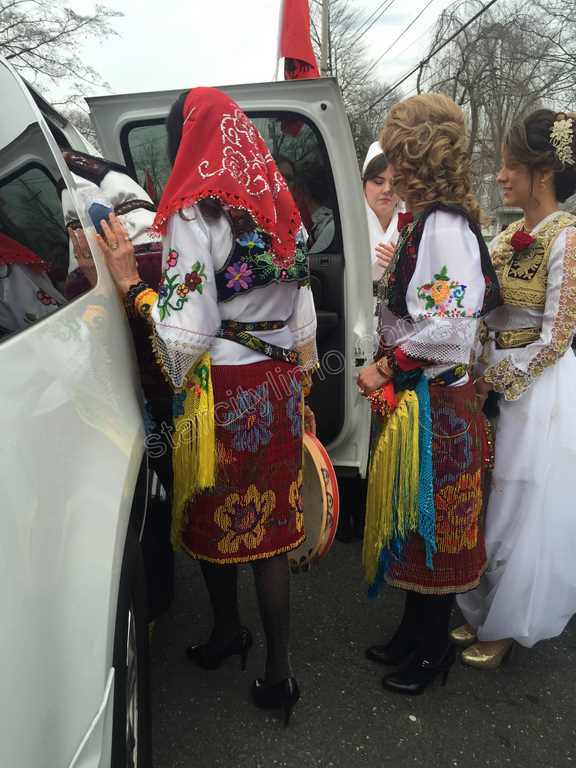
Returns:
(250, 419)
(458, 508)
(239, 276)
(253, 264)
(242, 519)
(296, 500)
(252, 240)
(251, 173)
(174, 291)
(46, 299)
(443, 295)
(294, 407)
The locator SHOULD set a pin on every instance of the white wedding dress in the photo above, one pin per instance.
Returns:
(528, 592)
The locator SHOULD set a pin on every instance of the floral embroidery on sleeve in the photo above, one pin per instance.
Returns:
(443, 295)
(174, 291)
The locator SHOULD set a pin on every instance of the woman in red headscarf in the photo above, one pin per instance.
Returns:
(26, 292)
(234, 329)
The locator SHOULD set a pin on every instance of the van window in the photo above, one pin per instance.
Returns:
(297, 148)
(38, 276)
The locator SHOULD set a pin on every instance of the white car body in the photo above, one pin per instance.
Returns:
(73, 443)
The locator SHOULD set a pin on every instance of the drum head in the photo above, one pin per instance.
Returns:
(315, 506)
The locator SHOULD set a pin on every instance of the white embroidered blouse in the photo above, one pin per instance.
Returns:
(444, 297)
(186, 326)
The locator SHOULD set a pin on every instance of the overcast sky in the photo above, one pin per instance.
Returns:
(165, 44)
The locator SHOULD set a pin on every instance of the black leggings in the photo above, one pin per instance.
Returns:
(272, 581)
(425, 623)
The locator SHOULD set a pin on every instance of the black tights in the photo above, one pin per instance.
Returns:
(425, 624)
(272, 580)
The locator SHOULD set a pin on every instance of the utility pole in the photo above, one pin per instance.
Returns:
(325, 51)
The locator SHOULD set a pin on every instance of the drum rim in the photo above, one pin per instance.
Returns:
(329, 534)
(310, 444)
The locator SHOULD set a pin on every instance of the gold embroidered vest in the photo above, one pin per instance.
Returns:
(523, 276)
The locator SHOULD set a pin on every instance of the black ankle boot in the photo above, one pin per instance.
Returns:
(211, 658)
(282, 695)
(393, 653)
(420, 672)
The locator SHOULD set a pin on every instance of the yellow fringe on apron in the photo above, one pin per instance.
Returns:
(392, 503)
(194, 452)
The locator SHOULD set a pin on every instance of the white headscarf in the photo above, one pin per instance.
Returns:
(377, 234)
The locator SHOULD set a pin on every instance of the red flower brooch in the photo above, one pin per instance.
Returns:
(521, 241)
(404, 219)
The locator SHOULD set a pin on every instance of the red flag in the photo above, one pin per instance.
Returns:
(295, 44)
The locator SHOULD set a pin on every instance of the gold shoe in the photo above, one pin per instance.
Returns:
(464, 635)
(488, 655)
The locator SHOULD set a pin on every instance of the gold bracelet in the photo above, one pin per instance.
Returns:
(144, 301)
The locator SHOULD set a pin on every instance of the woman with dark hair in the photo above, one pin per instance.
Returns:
(528, 593)
(382, 208)
(425, 484)
(233, 326)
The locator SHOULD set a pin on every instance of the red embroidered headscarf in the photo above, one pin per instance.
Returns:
(222, 155)
(12, 252)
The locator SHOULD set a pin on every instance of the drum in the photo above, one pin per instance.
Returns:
(320, 505)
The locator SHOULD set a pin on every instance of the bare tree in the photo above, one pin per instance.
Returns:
(42, 39)
(350, 64)
(498, 69)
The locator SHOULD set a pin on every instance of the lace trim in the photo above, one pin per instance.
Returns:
(174, 359)
(504, 375)
(307, 355)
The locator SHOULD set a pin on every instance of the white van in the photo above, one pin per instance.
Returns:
(74, 476)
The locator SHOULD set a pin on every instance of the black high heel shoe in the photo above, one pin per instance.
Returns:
(418, 674)
(206, 658)
(282, 695)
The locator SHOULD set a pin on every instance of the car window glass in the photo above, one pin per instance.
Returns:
(298, 150)
(37, 273)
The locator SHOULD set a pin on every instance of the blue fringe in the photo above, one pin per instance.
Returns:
(426, 508)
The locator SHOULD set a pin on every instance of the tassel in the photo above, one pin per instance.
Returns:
(194, 452)
(426, 505)
(392, 504)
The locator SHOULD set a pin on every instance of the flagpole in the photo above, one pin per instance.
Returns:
(324, 53)
(279, 52)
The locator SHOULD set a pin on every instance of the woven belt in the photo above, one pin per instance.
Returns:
(233, 330)
(265, 325)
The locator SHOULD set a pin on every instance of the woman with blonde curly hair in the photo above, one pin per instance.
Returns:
(425, 485)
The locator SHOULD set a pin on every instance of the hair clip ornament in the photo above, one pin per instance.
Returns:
(561, 138)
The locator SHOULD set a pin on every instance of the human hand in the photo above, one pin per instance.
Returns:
(119, 254)
(482, 390)
(83, 255)
(370, 379)
(309, 420)
(384, 254)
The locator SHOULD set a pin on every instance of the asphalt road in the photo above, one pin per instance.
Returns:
(522, 715)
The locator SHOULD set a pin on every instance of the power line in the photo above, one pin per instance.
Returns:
(373, 19)
(400, 36)
(430, 56)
